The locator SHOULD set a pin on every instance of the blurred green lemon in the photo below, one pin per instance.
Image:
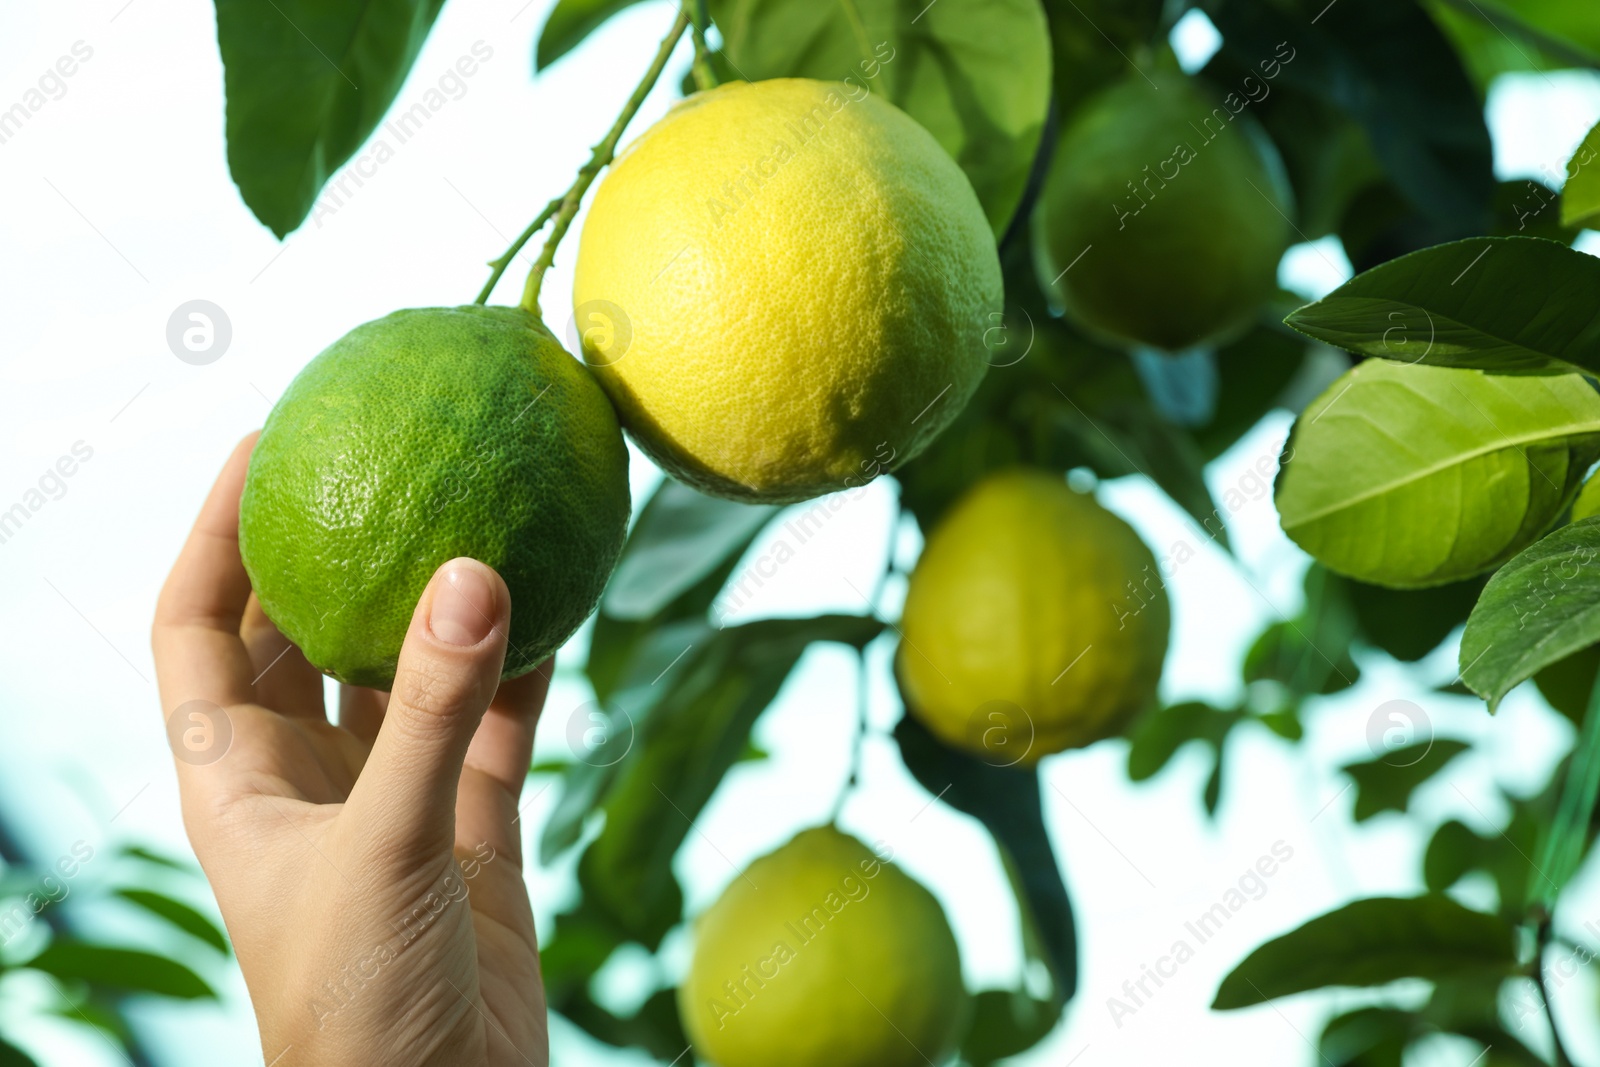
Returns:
(1163, 216)
(823, 954)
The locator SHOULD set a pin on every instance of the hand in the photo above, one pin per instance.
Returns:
(370, 873)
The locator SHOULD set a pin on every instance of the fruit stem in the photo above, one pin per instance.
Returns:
(598, 159)
(504, 261)
(705, 76)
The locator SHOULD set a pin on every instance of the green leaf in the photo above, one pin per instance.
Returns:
(681, 537)
(693, 734)
(178, 914)
(1495, 37)
(1507, 304)
(1308, 655)
(1364, 57)
(1253, 373)
(119, 968)
(976, 74)
(1387, 782)
(12, 1056)
(1008, 801)
(1416, 476)
(1161, 734)
(307, 82)
(1373, 942)
(1580, 197)
(1091, 40)
(1566, 683)
(569, 22)
(1410, 623)
(654, 1027)
(1539, 608)
(139, 852)
(1505, 854)
(1367, 1037)
(1567, 836)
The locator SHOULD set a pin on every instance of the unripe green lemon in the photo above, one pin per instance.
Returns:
(426, 435)
(823, 954)
(1163, 216)
(784, 287)
(1035, 621)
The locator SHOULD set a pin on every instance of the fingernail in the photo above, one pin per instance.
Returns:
(463, 608)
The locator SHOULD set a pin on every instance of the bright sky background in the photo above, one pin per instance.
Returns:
(119, 208)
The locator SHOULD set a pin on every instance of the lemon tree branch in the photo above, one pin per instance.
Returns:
(504, 261)
(602, 155)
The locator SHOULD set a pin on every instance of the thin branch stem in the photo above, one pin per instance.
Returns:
(705, 76)
(601, 156)
(504, 261)
(862, 677)
(860, 741)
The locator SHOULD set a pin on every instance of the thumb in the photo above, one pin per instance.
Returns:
(448, 672)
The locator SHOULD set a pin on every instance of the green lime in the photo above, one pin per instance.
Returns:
(426, 435)
(1164, 214)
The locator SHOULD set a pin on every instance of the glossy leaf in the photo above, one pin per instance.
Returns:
(1580, 197)
(1386, 782)
(307, 82)
(1508, 304)
(1539, 608)
(1417, 476)
(976, 73)
(569, 22)
(178, 914)
(126, 969)
(1373, 942)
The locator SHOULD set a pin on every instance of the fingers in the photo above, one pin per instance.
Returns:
(198, 652)
(283, 680)
(487, 808)
(449, 668)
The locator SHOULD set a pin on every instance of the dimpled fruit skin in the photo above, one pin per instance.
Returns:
(426, 435)
(1190, 265)
(1022, 576)
(879, 980)
(796, 282)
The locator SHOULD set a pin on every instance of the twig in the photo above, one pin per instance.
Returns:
(504, 261)
(705, 75)
(601, 156)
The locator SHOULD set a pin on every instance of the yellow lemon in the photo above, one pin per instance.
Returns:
(823, 954)
(1035, 621)
(784, 287)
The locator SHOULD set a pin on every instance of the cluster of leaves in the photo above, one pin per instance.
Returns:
(1409, 480)
(1444, 459)
(51, 911)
